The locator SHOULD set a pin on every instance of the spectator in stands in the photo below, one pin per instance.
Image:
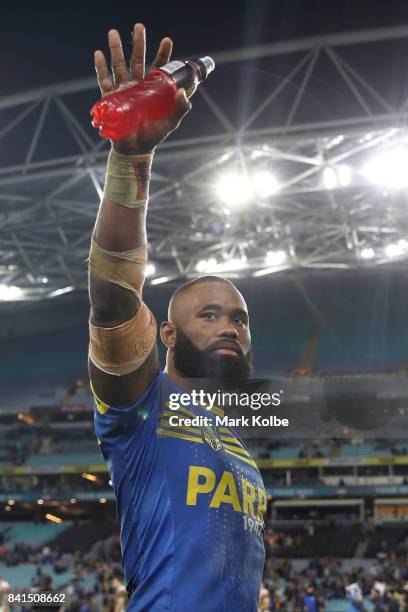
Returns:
(264, 599)
(377, 600)
(119, 591)
(310, 529)
(4, 590)
(310, 601)
(391, 603)
(356, 604)
(403, 601)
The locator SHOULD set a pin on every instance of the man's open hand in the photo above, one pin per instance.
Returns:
(150, 133)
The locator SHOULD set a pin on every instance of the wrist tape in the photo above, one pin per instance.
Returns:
(127, 179)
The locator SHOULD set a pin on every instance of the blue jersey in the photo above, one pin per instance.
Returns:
(310, 603)
(190, 504)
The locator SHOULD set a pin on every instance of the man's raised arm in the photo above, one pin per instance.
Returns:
(123, 354)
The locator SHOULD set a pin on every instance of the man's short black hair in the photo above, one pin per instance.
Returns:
(196, 281)
(209, 278)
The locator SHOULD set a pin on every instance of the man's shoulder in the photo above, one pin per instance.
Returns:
(154, 389)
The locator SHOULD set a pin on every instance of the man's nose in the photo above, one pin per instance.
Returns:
(228, 330)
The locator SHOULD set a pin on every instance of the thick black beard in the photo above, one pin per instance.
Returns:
(220, 371)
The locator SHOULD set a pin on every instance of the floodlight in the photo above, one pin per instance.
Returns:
(10, 293)
(265, 184)
(344, 175)
(275, 258)
(329, 178)
(233, 189)
(367, 253)
(231, 265)
(388, 169)
(201, 265)
(61, 291)
(396, 249)
(212, 265)
(160, 280)
(150, 269)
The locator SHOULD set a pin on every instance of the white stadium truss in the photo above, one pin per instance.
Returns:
(294, 108)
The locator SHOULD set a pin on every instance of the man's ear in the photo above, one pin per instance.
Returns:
(168, 334)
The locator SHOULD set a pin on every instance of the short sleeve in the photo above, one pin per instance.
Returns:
(112, 421)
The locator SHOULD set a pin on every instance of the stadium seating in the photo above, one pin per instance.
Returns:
(52, 357)
(333, 541)
(81, 537)
(36, 534)
(66, 459)
(384, 539)
(23, 574)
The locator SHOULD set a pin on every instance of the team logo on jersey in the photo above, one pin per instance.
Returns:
(210, 435)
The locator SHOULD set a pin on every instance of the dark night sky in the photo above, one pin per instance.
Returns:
(49, 42)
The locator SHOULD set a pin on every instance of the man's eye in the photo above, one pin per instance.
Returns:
(210, 316)
(240, 321)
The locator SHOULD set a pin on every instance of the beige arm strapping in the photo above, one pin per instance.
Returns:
(124, 268)
(122, 349)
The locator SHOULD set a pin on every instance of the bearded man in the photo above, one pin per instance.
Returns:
(190, 500)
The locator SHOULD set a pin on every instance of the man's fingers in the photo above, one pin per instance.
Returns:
(102, 73)
(137, 60)
(182, 102)
(163, 54)
(183, 106)
(119, 69)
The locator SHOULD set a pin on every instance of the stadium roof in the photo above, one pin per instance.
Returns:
(309, 136)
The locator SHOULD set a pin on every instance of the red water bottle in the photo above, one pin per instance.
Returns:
(121, 112)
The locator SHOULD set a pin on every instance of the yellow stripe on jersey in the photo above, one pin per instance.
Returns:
(225, 430)
(174, 434)
(100, 405)
(237, 449)
(231, 439)
(166, 423)
(249, 461)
